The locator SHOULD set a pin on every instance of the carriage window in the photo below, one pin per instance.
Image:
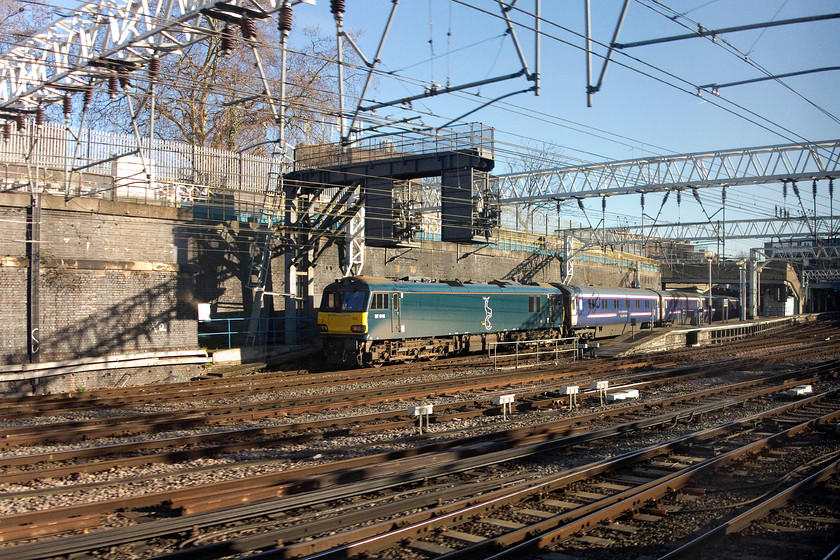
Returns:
(617, 304)
(647, 304)
(380, 301)
(534, 304)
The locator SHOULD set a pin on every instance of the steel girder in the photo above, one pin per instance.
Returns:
(100, 36)
(821, 252)
(816, 160)
(732, 229)
(822, 275)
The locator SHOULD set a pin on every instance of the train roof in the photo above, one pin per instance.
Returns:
(375, 283)
(681, 294)
(606, 292)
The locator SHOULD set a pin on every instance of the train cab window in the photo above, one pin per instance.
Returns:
(345, 302)
(534, 304)
(380, 301)
(353, 302)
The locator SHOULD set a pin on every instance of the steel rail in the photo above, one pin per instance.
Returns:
(439, 459)
(743, 520)
(302, 431)
(371, 540)
(539, 535)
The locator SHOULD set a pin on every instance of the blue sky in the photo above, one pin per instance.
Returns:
(634, 115)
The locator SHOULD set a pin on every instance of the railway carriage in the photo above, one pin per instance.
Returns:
(595, 312)
(680, 308)
(367, 320)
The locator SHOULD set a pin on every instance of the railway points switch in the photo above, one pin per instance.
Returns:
(506, 402)
(572, 391)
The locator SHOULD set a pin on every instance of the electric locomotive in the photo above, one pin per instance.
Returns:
(370, 321)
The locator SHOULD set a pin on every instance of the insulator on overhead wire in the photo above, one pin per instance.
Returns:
(831, 188)
(122, 76)
(336, 7)
(226, 44)
(154, 68)
(67, 105)
(248, 27)
(679, 197)
(643, 202)
(580, 204)
(20, 120)
(814, 189)
(696, 195)
(723, 195)
(603, 204)
(39, 115)
(88, 98)
(784, 190)
(7, 130)
(284, 19)
(795, 188)
(113, 85)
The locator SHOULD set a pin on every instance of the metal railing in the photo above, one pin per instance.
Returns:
(538, 348)
(472, 137)
(232, 332)
(151, 170)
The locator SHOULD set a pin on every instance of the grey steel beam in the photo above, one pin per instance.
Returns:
(745, 166)
(732, 229)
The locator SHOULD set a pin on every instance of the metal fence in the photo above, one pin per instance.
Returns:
(472, 137)
(150, 169)
(532, 351)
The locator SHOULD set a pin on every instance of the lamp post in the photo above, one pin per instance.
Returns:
(709, 255)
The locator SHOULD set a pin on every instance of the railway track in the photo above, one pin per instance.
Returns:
(298, 477)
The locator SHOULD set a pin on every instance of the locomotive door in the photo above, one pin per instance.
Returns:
(396, 314)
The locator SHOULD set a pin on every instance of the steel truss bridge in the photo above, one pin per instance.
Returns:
(769, 228)
(724, 168)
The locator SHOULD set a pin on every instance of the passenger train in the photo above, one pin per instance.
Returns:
(370, 321)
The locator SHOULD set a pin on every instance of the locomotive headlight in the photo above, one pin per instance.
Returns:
(322, 327)
(357, 328)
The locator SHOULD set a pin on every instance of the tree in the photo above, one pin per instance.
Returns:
(19, 21)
